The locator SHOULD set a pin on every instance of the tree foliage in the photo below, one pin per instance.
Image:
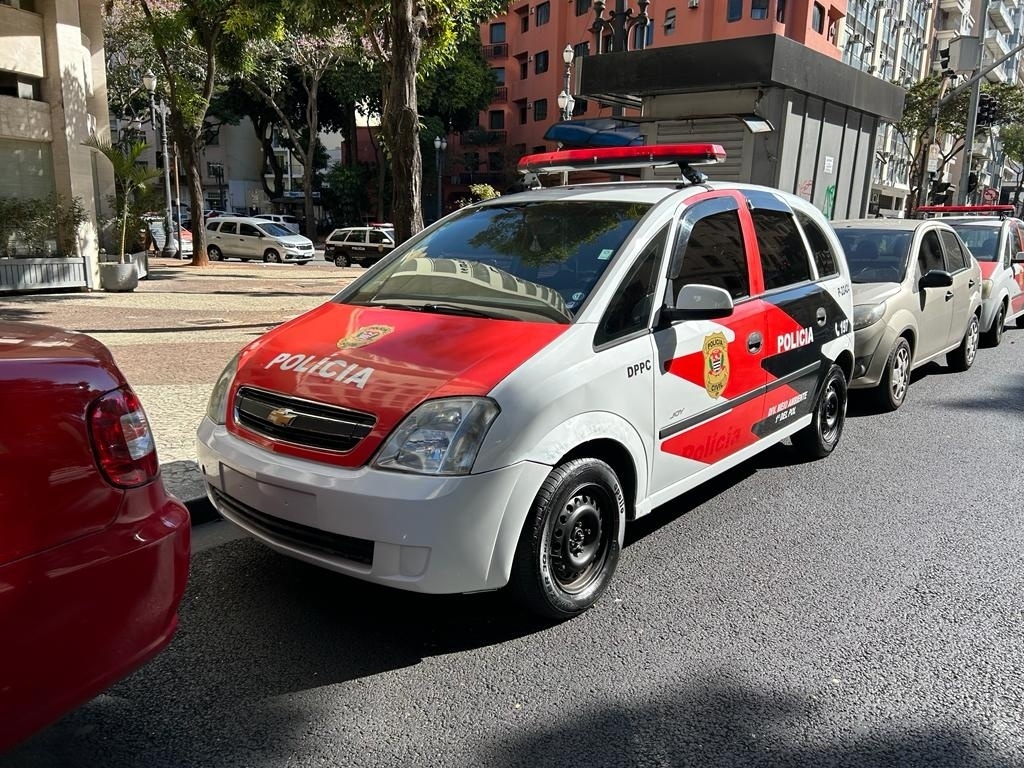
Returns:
(130, 178)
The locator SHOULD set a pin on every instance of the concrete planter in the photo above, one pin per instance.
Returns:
(119, 277)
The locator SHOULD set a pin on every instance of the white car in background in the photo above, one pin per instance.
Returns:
(288, 222)
(249, 238)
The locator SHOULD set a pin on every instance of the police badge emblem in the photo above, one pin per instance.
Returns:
(716, 363)
(363, 336)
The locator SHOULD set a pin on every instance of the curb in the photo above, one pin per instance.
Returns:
(184, 480)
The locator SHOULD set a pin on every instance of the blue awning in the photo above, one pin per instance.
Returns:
(599, 132)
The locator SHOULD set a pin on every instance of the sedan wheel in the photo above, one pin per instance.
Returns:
(994, 335)
(341, 260)
(272, 257)
(892, 389)
(214, 253)
(962, 358)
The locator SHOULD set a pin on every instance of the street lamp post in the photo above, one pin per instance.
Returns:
(149, 81)
(565, 100)
(440, 145)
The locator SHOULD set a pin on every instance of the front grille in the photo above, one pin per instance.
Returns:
(295, 534)
(301, 422)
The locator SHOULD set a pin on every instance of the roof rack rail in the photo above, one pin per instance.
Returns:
(685, 156)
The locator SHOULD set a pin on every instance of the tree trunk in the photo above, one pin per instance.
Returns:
(401, 116)
(194, 182)
(309, 170)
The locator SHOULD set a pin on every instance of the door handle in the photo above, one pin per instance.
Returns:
(754, 342)
(820, 316)
(949, 295)
(970, 284)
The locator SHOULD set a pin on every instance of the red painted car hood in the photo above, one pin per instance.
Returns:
(384, 362)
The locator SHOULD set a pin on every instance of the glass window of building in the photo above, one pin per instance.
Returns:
(759, 9)
(543, 14)
(734, 10)
(540, 62)
(498, 33)
(540, 110)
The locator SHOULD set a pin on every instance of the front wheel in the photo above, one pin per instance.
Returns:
(892, 389)
(994, 335)
(341, 260)
(962, 358)
(570, 543)
(272, 257)
(818, 439)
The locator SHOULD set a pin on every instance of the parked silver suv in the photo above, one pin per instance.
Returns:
(916, 297)
(244, 237)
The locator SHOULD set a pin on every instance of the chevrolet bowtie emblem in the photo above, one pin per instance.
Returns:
(282, 417)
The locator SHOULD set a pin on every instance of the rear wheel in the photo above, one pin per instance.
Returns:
(272, 256)
(214, 253)
(994, 335)
(571, 540)
(962, 358)
(892, 389)
(818, 439)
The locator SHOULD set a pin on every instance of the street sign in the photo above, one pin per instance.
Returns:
(934, 154)
(990, 195)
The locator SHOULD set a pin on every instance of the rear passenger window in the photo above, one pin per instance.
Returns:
(783, 254)
(631, 309)
(821, 248)
(954, 251)
(248, 230)
(377, 237)
(715, 255)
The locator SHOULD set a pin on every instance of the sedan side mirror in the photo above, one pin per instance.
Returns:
(1019, 258)
(936, 278)
(699, 302)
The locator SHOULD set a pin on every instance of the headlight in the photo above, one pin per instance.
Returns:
(986, 288)
(867, 314)
(441, 437)
(217, 409)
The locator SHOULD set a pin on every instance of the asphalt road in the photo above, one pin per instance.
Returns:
(865, 610)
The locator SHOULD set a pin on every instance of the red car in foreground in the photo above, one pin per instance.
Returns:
(94, 552)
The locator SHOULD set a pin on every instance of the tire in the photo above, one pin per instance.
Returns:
(214, 253)
(561, 567)
(272, 257)
(962, 358)
(1019, 322)
(341, 260)
(994, 335)
(819, 438)
(891, 391)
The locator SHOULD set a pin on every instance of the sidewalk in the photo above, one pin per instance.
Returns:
(173, 335)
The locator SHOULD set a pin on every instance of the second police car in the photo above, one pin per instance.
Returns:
(493, 402)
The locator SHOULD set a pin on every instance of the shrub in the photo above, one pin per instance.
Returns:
(39, 227)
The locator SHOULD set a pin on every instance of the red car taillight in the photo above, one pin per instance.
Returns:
(122, 439)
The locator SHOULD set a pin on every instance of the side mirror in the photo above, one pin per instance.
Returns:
(936, 278)
(1019, 257)
(699, 302)
(261, 233)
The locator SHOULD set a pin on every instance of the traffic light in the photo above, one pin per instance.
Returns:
(972, 182)
(941, 192)
(987, 108)
(944, 61)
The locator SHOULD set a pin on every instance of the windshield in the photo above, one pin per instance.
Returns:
(982, 240)
(876, 255)
(274, 230)
(531, 260)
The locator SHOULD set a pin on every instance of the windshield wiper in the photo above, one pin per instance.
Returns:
(454, 309)
(394, 305)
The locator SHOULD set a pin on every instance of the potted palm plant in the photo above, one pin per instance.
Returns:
(130, 178)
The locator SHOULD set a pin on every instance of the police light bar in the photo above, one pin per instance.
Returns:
(616, 158)
(966, 209)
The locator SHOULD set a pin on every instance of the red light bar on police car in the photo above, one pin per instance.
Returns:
(965, 208)
(614, 158)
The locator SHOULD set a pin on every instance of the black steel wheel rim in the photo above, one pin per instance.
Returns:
(580, 537)
(831, 412)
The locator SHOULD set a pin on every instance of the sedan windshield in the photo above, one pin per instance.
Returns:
(983, 240)
(274, 230)
(532, 260)
(876, 255)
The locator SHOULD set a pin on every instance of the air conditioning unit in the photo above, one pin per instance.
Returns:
(694, 3)
(901, 24)
(856, 38)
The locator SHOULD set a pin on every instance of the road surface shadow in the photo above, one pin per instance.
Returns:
(715, 723)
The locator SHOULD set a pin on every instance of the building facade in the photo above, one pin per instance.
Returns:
(52, 99)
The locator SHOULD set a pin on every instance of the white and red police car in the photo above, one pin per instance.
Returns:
(996, 239)
(490, 404)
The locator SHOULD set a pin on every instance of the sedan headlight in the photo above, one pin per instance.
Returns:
(986, 288)
(867, 314)
(441, 437)
(217, 409)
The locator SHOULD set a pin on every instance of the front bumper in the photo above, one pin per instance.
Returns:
(989, 307)
(298, 255)
(871, 348)
(414, 532)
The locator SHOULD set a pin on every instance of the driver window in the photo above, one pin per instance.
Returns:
(248, 230)
(930, 255)
(715, 255)
(630, 310)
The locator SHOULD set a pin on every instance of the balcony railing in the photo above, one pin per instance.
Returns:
(996, 42)
(1000, 15)
(482, 138)
(496, 51)
(501, 94)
